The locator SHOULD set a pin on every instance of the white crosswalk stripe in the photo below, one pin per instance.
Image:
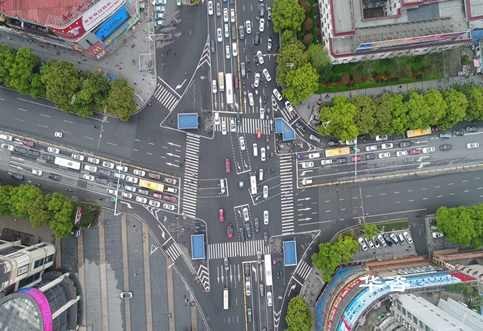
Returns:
(237, 248)
(303, 270)
(286, 193)
(168, 98)
(190, 179)
(172, 251)
(204, 277)
(248, 125)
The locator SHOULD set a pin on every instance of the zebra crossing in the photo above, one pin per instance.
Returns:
(190, 179)
(287, 115)
(286, 194)
(165, 94)
(172, 250)
(303, 270)
(247, 125)
(237, 248)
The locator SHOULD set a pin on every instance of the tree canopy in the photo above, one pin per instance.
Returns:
(298, 316)
(338, 119)
(287, 15)
(462, 225)
(318, 56)
(120, 101)
(300, 84)
(370, 230)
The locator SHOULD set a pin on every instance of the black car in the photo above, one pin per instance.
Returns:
(54, 177)
(370, 156)
(471, 129)
(265, 236)
(233, 32)
(242, 233)
(269, 13)
(248, 230)
(387, 238)
(257, 224)
(459, 133)
(404, 144)
(16, 176)
(341, 160)
(241, 31)
(261, 12)
(213, 46)
(445, 147)
(257, 38)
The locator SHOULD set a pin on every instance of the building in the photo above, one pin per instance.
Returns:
(22, 265)
(87, 26)
(357, 30)
(417, 313)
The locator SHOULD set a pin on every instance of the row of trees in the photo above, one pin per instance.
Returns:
(462, 225)
(333, 254)
(297, 67)
(30, 203)
(298, 315)
(74, 91)
(393, 114)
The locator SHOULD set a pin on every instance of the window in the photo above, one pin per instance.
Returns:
(38, 263)
(49, 258)
(22, 270)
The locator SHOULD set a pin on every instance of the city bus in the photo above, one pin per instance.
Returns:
(67, 163)
(339, 151)
(221, 82)
(158, 187)
(229, 88)
(268, 270)
(253, 185)
(418, 132)
(226, 302)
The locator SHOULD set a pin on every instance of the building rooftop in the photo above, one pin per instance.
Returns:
(53, 13)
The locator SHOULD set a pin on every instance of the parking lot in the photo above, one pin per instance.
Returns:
(387, 245)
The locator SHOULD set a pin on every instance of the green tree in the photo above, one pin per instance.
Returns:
(419, 112)
(456, 111)
(300, 84)
(120, 101)
(37, 89)
(7, 59)
(287, 15)
(383, 115)
(61, 80)
(291, 57)
(437, 106)
(90, 98)
(5, 201)
(22, 70)
(61, 210)
(364, 118)
(317, 55)
(38, 214)
(21, 199)
(474, 94)
(338, 119)
(394, 107)
(298, 316)
(461, 225)
(370, 230)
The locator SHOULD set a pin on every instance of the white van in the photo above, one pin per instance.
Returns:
(90, 168)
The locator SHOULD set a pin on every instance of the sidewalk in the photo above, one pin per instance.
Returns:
(308, 110)
(131, 56)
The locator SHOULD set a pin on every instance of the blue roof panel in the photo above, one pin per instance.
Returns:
(289, 253)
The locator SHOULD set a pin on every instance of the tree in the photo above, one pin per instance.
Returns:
(22, 70)
(338, 119)
(61, 80)
(38, 214)
(392, 114)
(419, 112)
(300, 84)
(90, 98)
(37, 89)
(287, 15)
(317, 55)
(370, 230)
(456, 111)
(364, 118)
(383, 115)
(120, 101)
(21, 200)
(7, 58)
(5, 203)
(474, 94)
(291, 57)
(462, 225)
(437, 105)
(61, 211)
(298, 316)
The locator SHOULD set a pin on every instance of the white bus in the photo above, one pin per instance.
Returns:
(229, 88)
(67, 163)
(253, 184)
(268, 270)
(226, 302)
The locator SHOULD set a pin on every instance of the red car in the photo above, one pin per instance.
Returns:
(157, 195)
(357, 158)
(221, 215)
(259, 133)
(228, 166)
(229, 231)
(169, 198)
(414, 151)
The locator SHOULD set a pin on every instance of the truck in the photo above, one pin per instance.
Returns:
(221, 81)
(153, 186)
(418, 132)
(338, 151)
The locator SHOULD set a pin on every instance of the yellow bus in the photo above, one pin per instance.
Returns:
(418, 132)
(339, 151)
(151, 185)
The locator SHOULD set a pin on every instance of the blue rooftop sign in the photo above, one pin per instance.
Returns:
(198, 247)
(281, 127)
(187, 121)
(289, 253)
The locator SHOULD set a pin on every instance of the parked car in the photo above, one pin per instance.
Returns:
(408, 237)
(436, 234)
(362, 243)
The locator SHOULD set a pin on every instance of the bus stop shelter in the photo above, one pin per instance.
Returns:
(188, 121)
(281, 127)
(289, 253)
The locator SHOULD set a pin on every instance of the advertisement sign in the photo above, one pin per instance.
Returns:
(73, 31)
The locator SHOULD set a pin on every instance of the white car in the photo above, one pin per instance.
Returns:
(210, 8)
(227, 52)
(130, 188)
(108, 164)
(78, 157)
(227, 31)
(362, 242)
(6, 137)
(255, 150)
(37, 172)
(289, 106)
(437, 234)
(306, 181)
(260, 57)
(93, 160)
(277, 94)
(408, 237)
(269, 299)
(266, 74)
(262, 113)
(384, 155)
(325, 162)
(218, 9)
(225, 15)
(260, 175)
(126, 195)
(111, 191)
(214, 87)
(160, 8)
(242, 143)
(265, 192)
(401, 153)
(308, 164)
(472, 145)
(251, 102)
(120, 176)
(246, 217)
(154, 203)
(387, 146)
(234, 49)
(132, 179)
(248, 27)
(170, 189)
(261, 25)
(426, 150)
(58, 134)
(381, 138)
(139, 172)
(371, 148)
(232, 15)
(232, 125)
(263, 154)
(219, 35)
(256, 83)
(88, 177)
(169, 206)
(223, 127)
(265, 217)
(121, 168)
(8, 147)
(217, 118)
(54, 150)
(141, 199)
(314, 155)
